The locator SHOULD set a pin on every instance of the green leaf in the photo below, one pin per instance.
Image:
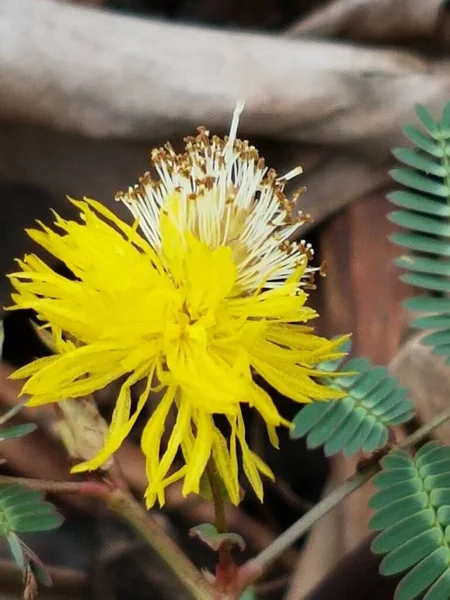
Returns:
(419, 203)
(423, 575)
(426, 224)
(428, 122)
(23, 510)
(419, 182)
(391, 513)
(418, 161)
(25, 558)
(421, 243)
(412, 513)
(427, 282)
(208, 534)
(402, 531)
(395, 492)
(16, 550)
(411, 552)
(423, 141)
(428, 304)
(422, 264)
(445, 121)
(416, 222)
(440, 589)
(17, 431)
(359, 421)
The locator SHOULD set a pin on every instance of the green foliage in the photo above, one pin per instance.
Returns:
(413, 514)
(23, 510)
(27, 560)
(26, 511)
(425, 217)
(373, 402)
(16, 431)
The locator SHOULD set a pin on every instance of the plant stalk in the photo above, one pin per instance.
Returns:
(225, 558)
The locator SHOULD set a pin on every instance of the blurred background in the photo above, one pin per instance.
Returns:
(88, 87)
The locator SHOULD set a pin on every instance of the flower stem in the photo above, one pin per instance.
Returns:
(225, 559)
(217, 496)
(256, 566)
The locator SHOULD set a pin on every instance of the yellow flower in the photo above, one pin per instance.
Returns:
(210, 293)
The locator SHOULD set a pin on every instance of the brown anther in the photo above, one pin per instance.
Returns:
(298, 192)
(323, 269)
(304, 218)
(203, 132)
(209, 182)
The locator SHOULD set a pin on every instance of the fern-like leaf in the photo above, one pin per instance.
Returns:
(374, 402)
(24, 511)
(17, 431)
(425, 217)
(413, 514)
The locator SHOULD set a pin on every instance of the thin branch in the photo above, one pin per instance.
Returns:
(13, 411)
(94, 489)
(125, 506)
(424, 431)
(255, 567)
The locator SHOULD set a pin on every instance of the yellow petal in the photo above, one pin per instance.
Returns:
(200, 453)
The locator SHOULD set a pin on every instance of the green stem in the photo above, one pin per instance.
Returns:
(217, 497)
(255, 567)
(300, 527)
(13, 411)
(124, 505)
(225, 559)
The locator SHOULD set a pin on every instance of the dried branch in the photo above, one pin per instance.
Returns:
(164, 79)
(372, 20)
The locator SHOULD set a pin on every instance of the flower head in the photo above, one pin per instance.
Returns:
(204, 292)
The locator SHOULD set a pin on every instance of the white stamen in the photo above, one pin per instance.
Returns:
(235, 121)
(292, 173)
(225, 199)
